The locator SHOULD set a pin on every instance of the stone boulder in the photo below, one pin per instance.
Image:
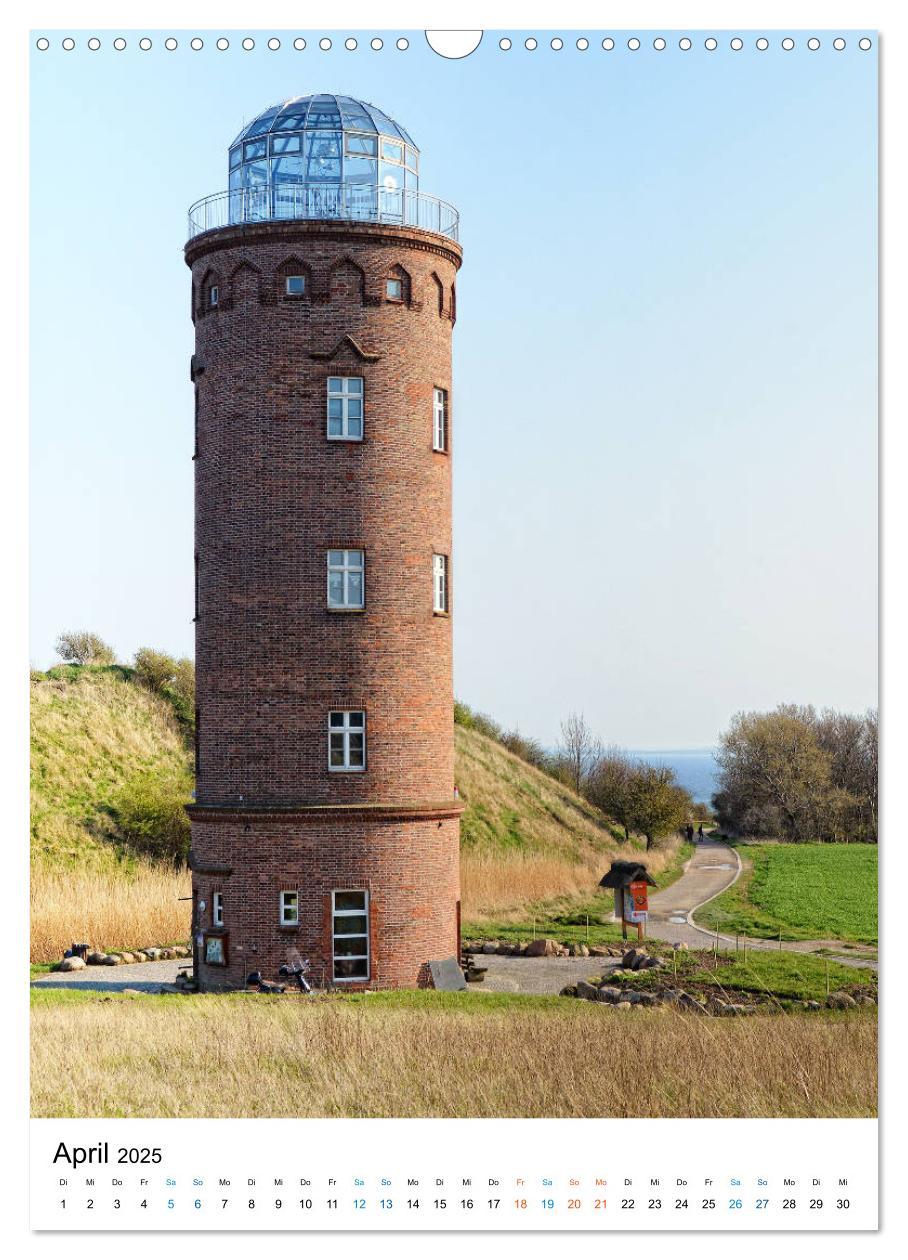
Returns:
(610, 993)
(491, 947)
(648, 999)
(543, 948)
(95, 958)
(588, 991)
(692, 1004)
(840, 1001)
(569, 990)
(128, 958)
(71, 964)
(110, 960)
(600, 951)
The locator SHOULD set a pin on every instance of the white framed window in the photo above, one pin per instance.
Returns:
(350, 934)
(440, 583)
(213, 295)
(217, 909)
(346, 739)
(394, 290)
(295, 286)
(346, 579)
(439, 419)
(345, 408)
(289, 907)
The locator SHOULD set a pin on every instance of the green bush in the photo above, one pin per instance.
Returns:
(171, 679)
(151, 814)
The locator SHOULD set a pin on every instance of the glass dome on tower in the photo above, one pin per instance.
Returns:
(324, 140)
(324, 157)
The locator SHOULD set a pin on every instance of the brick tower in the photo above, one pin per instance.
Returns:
(323, 298)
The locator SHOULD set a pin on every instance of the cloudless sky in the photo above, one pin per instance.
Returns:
(665, 360)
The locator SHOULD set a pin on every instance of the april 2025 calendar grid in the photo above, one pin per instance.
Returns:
(455, 744)
(475, 1175)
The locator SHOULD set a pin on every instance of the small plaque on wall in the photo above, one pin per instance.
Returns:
(216, 950)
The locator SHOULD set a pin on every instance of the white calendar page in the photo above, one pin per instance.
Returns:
(662, 404)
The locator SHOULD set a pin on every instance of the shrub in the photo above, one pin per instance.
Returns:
(173, 680)
(81, 647)
(155, 669)
(150, 811)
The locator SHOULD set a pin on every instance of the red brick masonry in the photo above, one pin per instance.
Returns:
(273, 494)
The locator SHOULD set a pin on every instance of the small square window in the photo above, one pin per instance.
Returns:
(392, 151)
(290, 907)
(213, 295)
(296, 286)
(394, 290)
(217, 909)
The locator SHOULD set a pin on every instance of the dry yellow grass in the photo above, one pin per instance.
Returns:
(254, 1056)
(111, 909)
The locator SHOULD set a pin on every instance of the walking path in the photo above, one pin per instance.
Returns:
(713, 868)
(147, 977)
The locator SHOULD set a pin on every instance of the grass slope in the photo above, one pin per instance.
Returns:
(806, 891)
(92, 730)
(510, 805)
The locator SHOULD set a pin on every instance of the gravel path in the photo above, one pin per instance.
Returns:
(147, 977)
(537, 975)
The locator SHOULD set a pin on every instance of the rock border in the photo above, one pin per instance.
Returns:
(117, 958)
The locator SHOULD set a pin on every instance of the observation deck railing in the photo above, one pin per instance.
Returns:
(354, 202)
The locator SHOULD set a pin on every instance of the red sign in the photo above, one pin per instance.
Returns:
(639, 894)
(635, 902)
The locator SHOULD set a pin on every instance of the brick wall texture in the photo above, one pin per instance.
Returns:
(273, 495)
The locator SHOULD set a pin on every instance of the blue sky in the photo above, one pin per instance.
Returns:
(665, 361)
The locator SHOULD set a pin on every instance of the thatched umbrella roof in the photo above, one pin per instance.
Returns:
(623, 874)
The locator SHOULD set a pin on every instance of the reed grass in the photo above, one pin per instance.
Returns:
(248, 1056)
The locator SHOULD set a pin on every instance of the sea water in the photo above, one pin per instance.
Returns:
(695, 768)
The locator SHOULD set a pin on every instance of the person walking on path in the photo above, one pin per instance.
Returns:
(700, 834)
(690, 833)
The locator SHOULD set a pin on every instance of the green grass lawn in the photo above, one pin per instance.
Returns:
(781, 973)
(806, 891)
(570, 919)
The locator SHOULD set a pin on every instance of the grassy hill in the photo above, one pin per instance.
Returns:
(528, 842)
(93, 732)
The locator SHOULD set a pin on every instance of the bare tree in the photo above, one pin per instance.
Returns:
(608, 785)
(579, 749)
